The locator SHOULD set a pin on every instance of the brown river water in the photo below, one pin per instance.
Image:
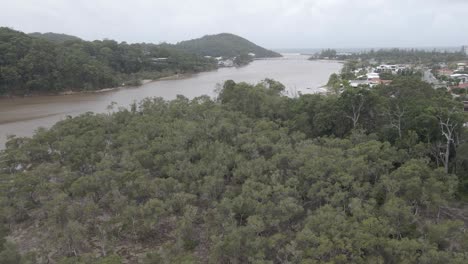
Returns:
(22, 116)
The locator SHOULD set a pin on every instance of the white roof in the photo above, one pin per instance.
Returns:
(456, 75)
(373, 75)
(356, 83)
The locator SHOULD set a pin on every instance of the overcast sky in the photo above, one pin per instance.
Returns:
(270, 23)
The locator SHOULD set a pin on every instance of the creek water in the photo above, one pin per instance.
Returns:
(22, 116)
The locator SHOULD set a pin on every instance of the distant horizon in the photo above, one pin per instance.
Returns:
(354, 49)
(452, 48)
(273, 24)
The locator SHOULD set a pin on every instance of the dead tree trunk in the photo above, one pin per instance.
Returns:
(356, 111)
(447, 128)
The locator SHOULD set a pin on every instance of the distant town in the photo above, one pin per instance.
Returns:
(443, 70)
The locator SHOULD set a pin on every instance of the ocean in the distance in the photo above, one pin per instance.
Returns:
(360, 50)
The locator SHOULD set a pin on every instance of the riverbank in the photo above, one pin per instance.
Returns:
(163, 77)
(103, 90)
(337, 61)
(178, 76)
(143, 82)
(22, 115)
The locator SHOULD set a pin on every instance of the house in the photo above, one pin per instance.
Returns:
(461, 66)
(391, 68)
(374, 81)
(445, 71)
(357, 83)
(159, 60)
(251, 54)
(387, 68)
(463, 77)
(370, 82)
(373, 75)
(226, 63)
(443, 65)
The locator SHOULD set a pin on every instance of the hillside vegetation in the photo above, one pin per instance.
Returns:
(52, 63)
(30, 65)
(224, 45)
(54, 37)
(395, 56)
(251, 177)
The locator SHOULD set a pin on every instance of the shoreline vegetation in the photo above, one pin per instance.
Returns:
(139, 83)
(50, 63)
(142, 82)
(146, 81)
(392, 56)
(103, 90)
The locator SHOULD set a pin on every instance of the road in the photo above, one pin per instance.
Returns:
(430, 78)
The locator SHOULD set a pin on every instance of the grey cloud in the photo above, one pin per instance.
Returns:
(274, 24)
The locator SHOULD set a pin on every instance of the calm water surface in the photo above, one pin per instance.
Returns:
(22, 116)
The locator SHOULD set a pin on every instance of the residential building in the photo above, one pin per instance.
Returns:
(445, 71)
(463, 77)
(388, 68)
(369, 82)
(357, 83)
(226, 63)
(374, 81)
(373, 75)
(391, 68)
(159, 60)
(461, 66)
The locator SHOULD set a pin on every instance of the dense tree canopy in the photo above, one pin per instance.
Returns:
(224, 45)
(408, 56)
(31, 64)
(251, 177)
(327, 54)
(54, 37)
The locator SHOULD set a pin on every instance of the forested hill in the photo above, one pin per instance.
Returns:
(253, 177)
(34, 65)
(54, 37)
(52, 63)
(225, 45)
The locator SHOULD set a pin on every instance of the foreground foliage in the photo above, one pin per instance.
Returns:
(253, 177)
